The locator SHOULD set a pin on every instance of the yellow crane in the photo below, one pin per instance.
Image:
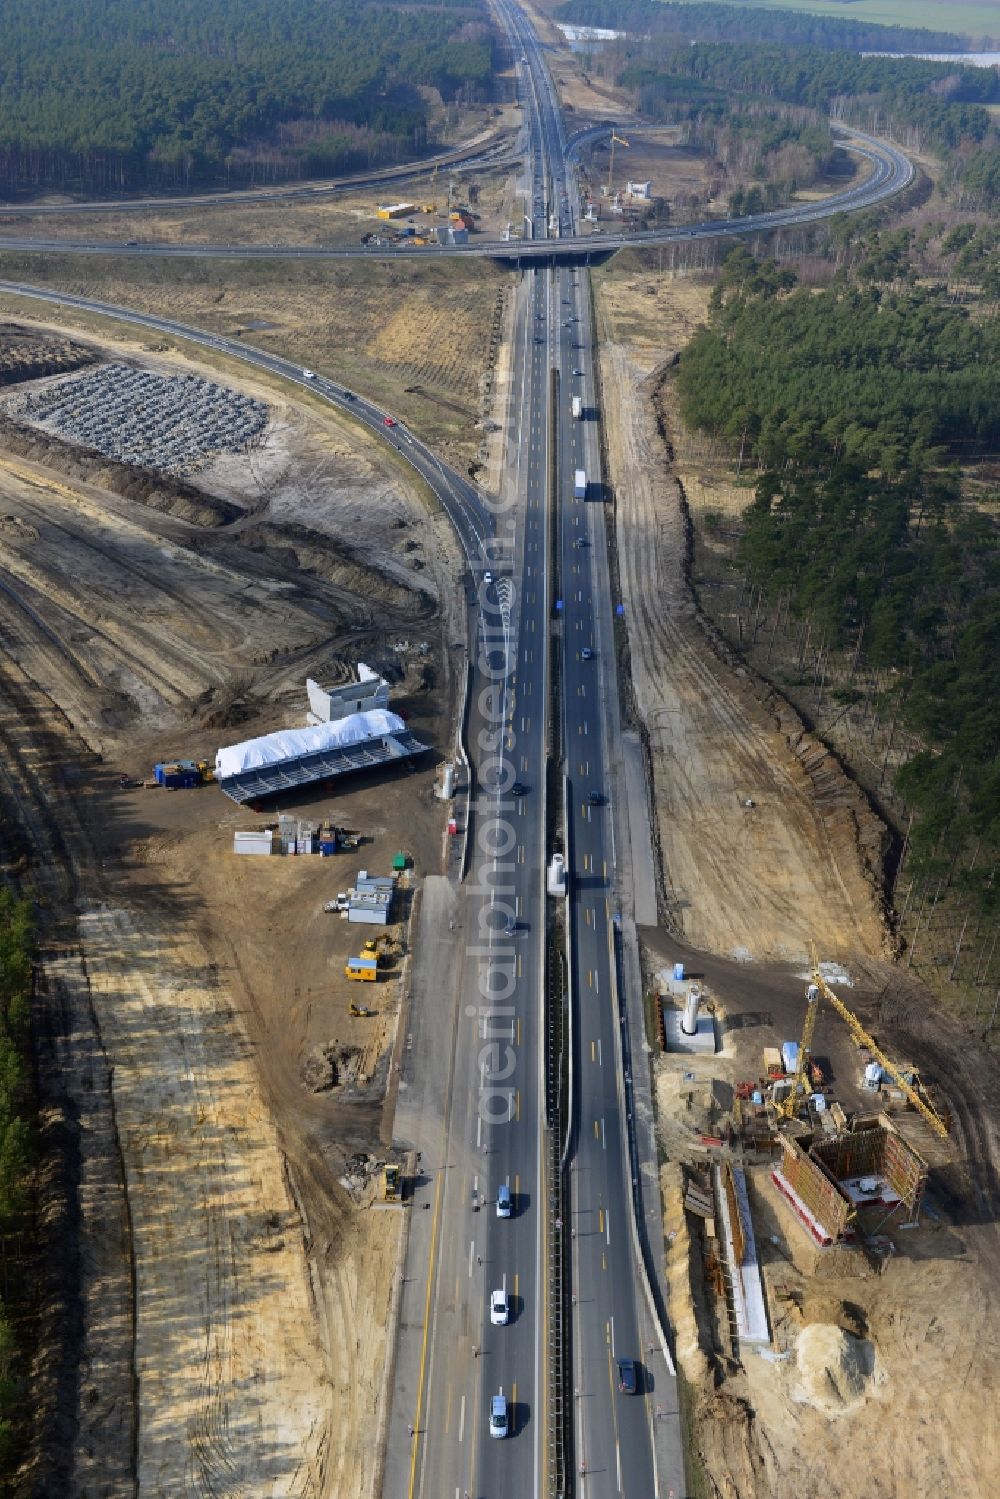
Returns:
(818, 987)
(786, 1108)
(619, 140)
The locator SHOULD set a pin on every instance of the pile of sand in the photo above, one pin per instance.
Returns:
(837, 1371)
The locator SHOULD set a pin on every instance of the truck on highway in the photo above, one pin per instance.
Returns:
(580, 485)
(577, 407)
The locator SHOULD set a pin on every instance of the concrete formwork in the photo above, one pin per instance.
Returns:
(878, 1151)
(817, 1182)
(816, 1198)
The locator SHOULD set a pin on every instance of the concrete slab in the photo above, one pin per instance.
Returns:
(703, 1040)
(643, 867)
(748, 1289)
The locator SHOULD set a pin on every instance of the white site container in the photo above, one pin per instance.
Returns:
(256, 841)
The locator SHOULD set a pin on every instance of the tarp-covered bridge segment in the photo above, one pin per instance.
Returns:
(291, 758)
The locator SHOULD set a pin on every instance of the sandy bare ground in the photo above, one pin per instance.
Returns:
(753, 882)
(237, 1300)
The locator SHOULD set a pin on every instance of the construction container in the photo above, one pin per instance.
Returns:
(177, 775)
(773, 1065)
(370, 907)
(678, 971)
(363, 969)
(254, 841)
(327, 846)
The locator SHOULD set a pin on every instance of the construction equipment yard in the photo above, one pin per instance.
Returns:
(213, 985)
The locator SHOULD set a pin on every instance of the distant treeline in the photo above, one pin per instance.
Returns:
(115, 95)
(707, 22)
(854, 404)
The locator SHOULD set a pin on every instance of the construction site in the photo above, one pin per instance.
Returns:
(234, 637)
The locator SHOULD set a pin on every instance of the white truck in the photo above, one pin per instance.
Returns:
(580, 485)
(577, 407)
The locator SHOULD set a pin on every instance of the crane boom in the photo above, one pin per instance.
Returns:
(862, 1037)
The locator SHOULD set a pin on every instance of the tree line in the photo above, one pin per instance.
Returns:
(116, 95)
(853, 405)
(708, 22)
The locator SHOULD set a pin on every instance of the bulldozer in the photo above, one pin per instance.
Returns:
(361, 1011)
(391, 1185)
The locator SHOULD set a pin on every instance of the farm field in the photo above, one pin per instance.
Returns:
(974, 18)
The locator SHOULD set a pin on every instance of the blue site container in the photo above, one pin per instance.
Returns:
(177, 775)
(328, 847)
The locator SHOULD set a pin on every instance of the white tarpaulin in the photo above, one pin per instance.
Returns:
(294, 744)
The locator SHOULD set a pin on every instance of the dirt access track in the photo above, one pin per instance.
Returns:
(218, 1308)
(802, 863)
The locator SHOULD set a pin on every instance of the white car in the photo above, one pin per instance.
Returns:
(499, 1309)
(309, 374)
(487, 577)
(498, 1415)
(503, 1201)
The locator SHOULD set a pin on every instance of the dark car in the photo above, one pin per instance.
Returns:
(628, 1382)
(595, 799)
(519, 789)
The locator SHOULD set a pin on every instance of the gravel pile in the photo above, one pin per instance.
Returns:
(170, 423)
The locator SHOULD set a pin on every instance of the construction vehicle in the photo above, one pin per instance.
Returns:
(391, 1185)
(361, 1012)
(379, 947)
(907, 1080)
(364, 969)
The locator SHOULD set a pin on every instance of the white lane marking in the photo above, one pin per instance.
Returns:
(472, 1251)
(604, 1138)
(618, 1458)
(461, 1433)
(611, 1325)
(607, 1227)
(479, 1131)
(600, 1063)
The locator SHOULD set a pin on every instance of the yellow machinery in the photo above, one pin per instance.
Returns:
(363, 969)
(378, 947)
(207, 771)
(905, 1082)
(786, 1108)
(619, 140)
(390, 1183)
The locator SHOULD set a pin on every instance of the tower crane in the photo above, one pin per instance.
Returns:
(819, 987)
(619, 140)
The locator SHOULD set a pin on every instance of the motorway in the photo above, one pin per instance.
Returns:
(481, 1126)
(613, 1438)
